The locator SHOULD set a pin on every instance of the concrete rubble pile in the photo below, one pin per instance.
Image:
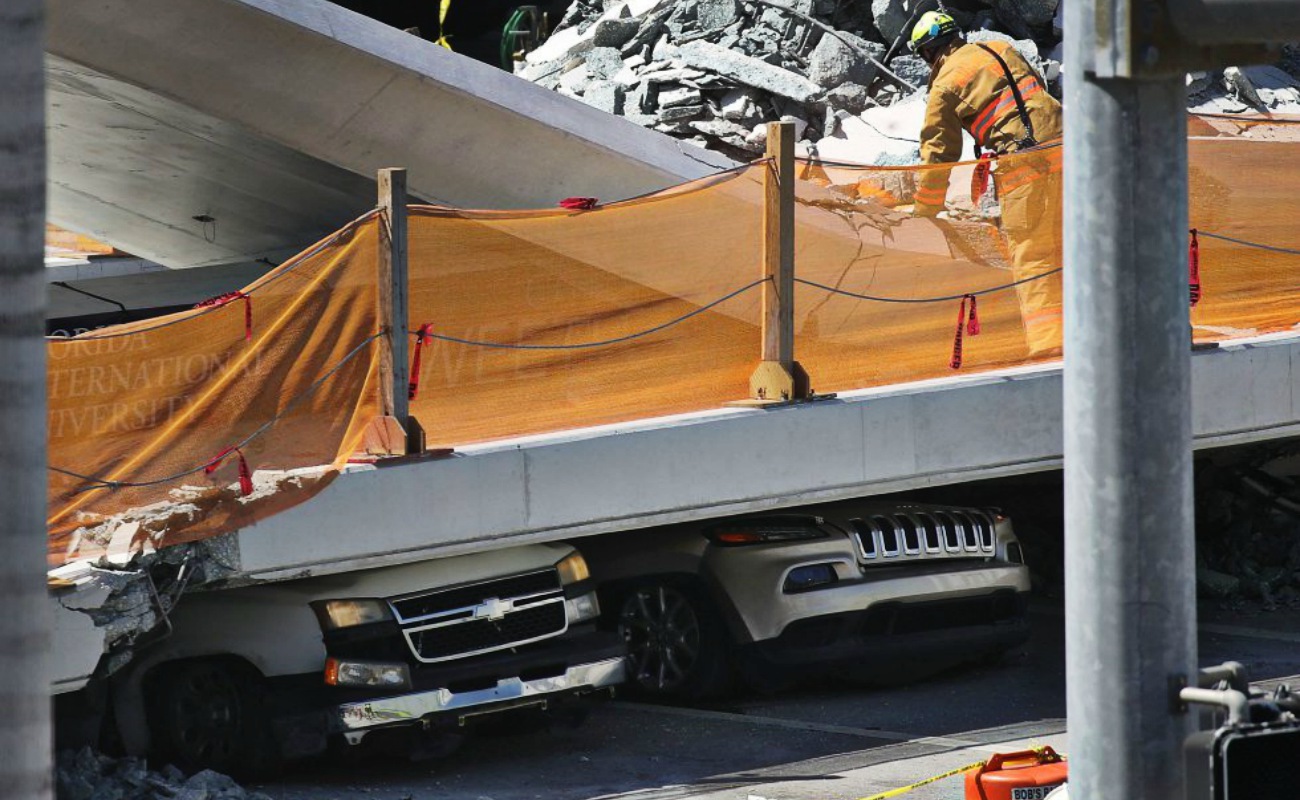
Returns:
(714, 72)
(87, 775)
(1248, 90)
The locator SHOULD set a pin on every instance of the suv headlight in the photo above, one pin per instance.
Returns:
(573, 569)
(745, 532)
(335, 614)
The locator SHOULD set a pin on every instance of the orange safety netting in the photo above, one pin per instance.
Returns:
(143, 417)
(551, 310)
(547, 320)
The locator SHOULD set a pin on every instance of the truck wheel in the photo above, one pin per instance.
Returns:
(677, 644)
(211, 715)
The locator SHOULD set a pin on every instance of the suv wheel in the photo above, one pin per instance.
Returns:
(676, 641)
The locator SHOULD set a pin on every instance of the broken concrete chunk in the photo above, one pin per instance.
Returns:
(678, 75)
(682, 18)
(720, 127)
(679, 113)
(605, 95)
(679, 97)
(739, 104)
(627, 78)
(561, 45)
(715, 15)
(749, 71)
(912, 69)
(603, 63)
(665, 50)
(850, 97)
(576, 79)
(614, 32)
(890, 16)
(834, 61)
(1026, 18)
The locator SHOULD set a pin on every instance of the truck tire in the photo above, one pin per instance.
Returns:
(211, 714)
(677, 643)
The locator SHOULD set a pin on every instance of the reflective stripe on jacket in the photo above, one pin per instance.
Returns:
(969, 90)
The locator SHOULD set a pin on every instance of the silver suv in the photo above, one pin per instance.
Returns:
(871, 590)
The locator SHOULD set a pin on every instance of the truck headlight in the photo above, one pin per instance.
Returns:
(582, 608)
(335, 614)
(375, 674)
(573, 568)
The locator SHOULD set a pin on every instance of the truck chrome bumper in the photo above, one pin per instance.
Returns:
(411, 708)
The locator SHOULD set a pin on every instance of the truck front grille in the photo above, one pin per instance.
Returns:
(923, 535)
(461, 598)
(482, 617)
(473, 636)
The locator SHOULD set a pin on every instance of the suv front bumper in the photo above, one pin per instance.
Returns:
(891, 636)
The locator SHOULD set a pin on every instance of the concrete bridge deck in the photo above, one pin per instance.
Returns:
(586, 482)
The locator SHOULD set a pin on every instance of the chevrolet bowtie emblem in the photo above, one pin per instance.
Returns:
(493, 608)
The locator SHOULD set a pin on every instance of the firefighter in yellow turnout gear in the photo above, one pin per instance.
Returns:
(989, 90)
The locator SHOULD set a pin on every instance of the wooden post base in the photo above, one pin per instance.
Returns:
(773, 383)
(384, 436)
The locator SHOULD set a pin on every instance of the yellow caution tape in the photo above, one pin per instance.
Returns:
(919, 784)
(442, 18)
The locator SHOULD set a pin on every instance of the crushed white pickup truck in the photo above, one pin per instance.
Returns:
(238, 679)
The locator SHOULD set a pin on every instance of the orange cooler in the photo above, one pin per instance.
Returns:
(1024, 775)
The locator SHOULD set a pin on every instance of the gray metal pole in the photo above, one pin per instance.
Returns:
(1130, 613)
(24, 626)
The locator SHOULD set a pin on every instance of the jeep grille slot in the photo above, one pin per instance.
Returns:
(865, 536)
(482, 617)
(924, 535)
(930, 531)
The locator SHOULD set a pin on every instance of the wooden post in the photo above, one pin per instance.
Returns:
(779, 377)
(392, 313)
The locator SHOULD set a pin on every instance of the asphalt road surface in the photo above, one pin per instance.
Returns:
(830, 741)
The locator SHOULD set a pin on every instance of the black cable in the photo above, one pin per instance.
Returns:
(879, 299)
(584, 345)
(71, 288)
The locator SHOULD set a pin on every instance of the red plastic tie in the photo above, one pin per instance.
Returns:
(413, 385)
(245, 475)
(223, 299)
(965, 325)
(1194, 268)
(979, 179)
(579, 203)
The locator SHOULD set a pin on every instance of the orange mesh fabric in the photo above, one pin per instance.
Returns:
(136, 412)
(525, 292)
(879, 291)
(1244, 212)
